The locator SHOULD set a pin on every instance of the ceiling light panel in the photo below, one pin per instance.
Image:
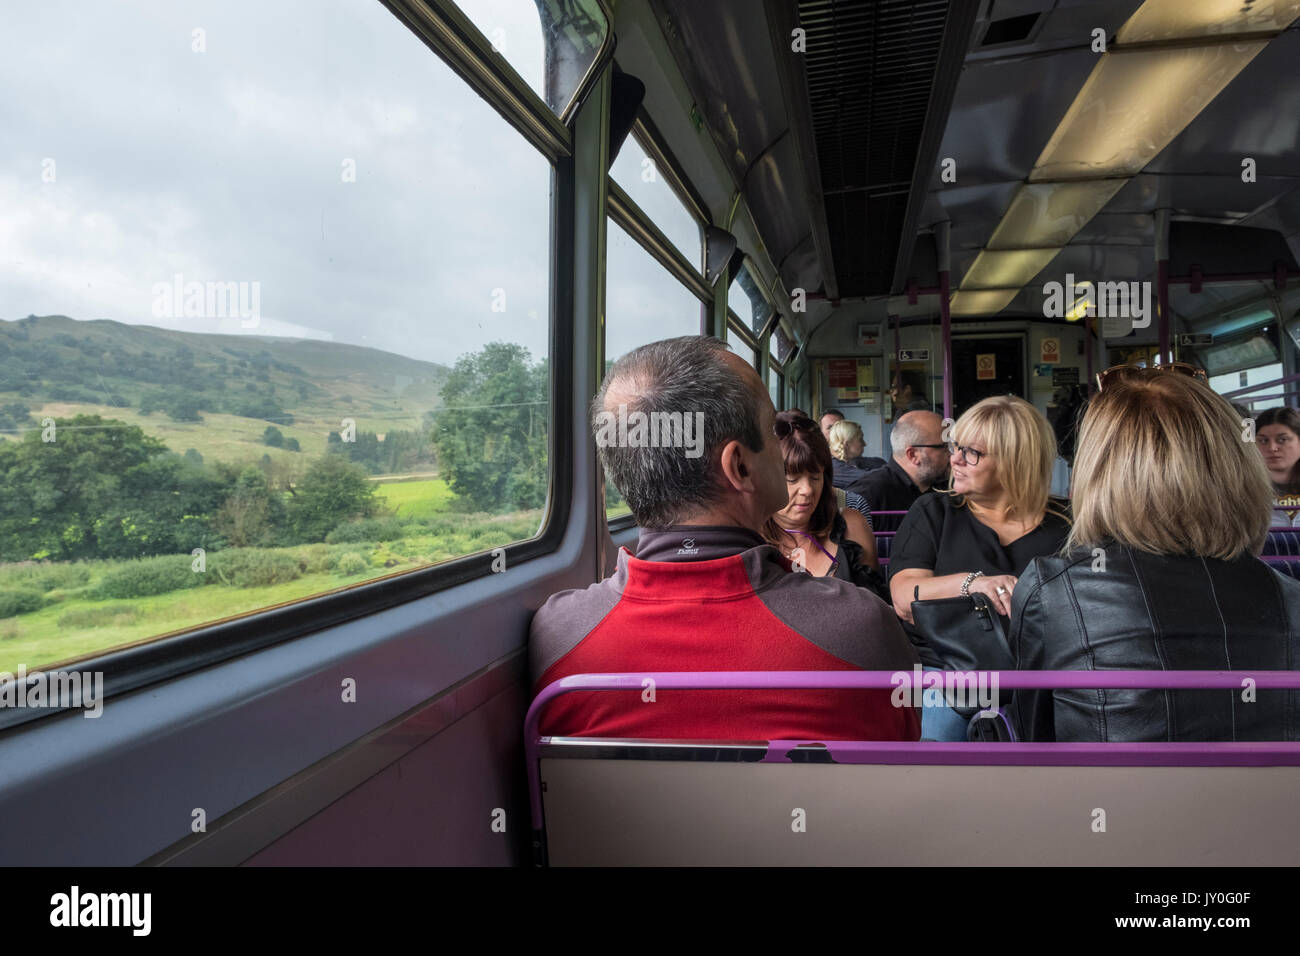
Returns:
(1158, 20)
(982, 302)
(1050, 214)
(1001, 270)
(1134, 104)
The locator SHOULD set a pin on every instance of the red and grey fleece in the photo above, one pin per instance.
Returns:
(706, 598)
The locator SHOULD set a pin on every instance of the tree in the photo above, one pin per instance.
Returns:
(101, 489)
(331, 492)
(490, 433)
(273, 437)
(291, 444)
(252, 512)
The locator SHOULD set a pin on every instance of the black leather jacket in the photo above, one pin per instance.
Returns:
(1141, 611)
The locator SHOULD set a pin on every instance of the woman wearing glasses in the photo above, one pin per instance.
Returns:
(979, 536)
(811, 530)
(1170, 509)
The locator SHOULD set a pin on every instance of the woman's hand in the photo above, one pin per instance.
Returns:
(991, 585)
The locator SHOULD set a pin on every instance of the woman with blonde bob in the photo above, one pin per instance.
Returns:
(979, 536)
(1171, 506)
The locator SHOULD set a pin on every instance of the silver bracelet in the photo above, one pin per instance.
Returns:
(965, 585)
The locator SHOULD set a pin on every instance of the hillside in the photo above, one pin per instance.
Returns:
(213, 393)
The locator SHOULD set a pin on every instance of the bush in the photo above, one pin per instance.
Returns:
(366, 529)
(351, 563)
(149, 576)
(253, 568)
(44, 576)
(14, 602)
(102, 616)
(316, 559)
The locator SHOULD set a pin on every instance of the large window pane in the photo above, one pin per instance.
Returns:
(286, 285)
(551, 44)
(641, 178)
(643, 303)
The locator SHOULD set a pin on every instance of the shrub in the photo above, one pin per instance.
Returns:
(366, 529)
(316, 558)
(351, 563)
(44, 576)
(14, 602)
(149, 576)
(101, 616)
(253, 568)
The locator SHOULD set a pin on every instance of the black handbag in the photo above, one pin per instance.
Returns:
(966, 634)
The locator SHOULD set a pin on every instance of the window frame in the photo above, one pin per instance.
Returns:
(172, 654)
(633, 220)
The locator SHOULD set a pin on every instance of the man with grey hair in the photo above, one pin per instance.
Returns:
(920, 460)
(704, 591)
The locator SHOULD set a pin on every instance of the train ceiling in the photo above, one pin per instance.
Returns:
(1058, 155)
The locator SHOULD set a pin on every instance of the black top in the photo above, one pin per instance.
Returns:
(887, 489)
(844, 474)
(851, 567)
(1139, 611)
(938, 536)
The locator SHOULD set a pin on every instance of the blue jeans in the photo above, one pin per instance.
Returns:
(938, 720)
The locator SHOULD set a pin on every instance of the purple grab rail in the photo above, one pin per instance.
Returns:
(1113, 754)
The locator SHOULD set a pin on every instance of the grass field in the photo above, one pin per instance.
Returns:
(231, 438)
(75, 621)
(416, 500)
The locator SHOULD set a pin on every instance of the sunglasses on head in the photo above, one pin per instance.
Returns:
(785, 427)
(1131, 373)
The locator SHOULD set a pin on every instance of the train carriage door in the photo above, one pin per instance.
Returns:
(984, 365)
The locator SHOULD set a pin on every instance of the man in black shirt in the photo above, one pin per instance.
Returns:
(919, 462)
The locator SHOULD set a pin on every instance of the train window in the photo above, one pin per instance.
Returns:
(746, 298)
(649, 186)
(550, 45)
(737, 343)
(774, 386)
(643, 303)
(782, 341)
(249, 377)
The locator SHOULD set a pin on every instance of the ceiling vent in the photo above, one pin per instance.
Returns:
(1009, 30)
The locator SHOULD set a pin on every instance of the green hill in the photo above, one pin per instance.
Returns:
(216, 394)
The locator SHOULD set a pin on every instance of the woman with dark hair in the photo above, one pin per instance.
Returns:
(811, 530)
(1277, 436)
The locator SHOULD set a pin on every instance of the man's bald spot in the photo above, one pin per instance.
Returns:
(630, 386)
(923, 420)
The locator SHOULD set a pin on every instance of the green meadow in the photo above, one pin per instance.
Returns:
(85, 607)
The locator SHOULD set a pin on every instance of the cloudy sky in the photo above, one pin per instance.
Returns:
(227, 166)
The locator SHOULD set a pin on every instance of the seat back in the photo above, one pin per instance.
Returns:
(636, 802)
